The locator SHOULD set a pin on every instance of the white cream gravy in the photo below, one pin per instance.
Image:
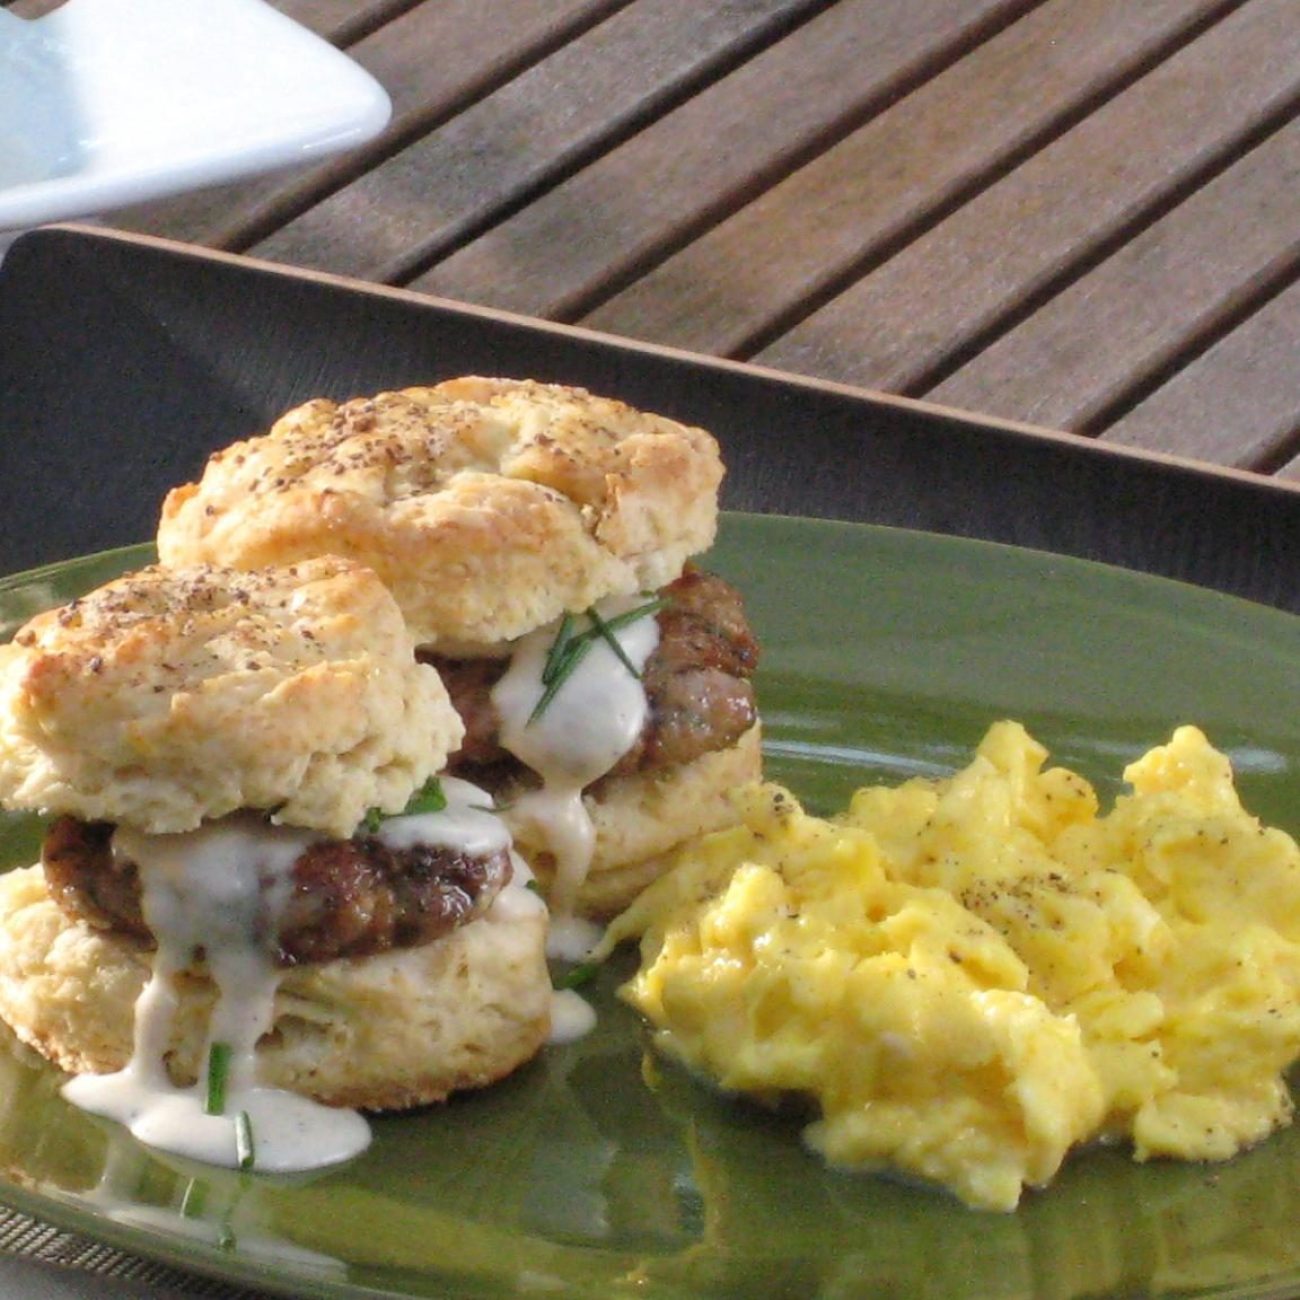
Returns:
(571, 938)
(589, 724)
(571, 1017)
(467, 824)
(220, 889)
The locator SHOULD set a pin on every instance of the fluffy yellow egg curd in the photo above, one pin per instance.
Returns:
(971, 976)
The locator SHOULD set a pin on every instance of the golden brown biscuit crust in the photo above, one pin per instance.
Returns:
(380, 1033)
(170, 696)
(489, 506)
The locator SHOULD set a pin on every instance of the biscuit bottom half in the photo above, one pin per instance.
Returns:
(388, 1032)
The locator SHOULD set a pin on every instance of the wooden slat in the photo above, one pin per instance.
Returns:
(1081, 352)
(336, 20)
(33, 8)
(1236, 404)
(700, 160)
(432, 60)
(582, 98)
(729, 286)
(937, 295)
(327, 18)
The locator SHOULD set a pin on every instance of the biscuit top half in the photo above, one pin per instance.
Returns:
(170, 696)
(488, 506)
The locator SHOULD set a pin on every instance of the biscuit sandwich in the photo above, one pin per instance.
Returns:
(252, 868)
(538, 539)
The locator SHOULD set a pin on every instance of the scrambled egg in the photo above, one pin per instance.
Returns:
(972, 976)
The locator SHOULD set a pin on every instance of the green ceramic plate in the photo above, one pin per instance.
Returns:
(595, 1173)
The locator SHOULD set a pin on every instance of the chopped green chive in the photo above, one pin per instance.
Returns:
(583, 973)
(631, 615)
(607, 635)
(245, 1152)
(559, 647)
(218, 1070)
(569, 648)
(429, 798)
(192, 1203)
(563, 671)
(532, 884)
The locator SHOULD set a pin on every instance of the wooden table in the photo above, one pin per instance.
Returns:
(1081, 214)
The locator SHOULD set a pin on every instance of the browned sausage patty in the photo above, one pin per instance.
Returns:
(697, 683)
(350, 898)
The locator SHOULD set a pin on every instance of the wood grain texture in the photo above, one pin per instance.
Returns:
(332, 19)
(733, 283)
(432, 60)
(1131, 315)
(34, 8)
(1013, 206)
(701, 160)
(1236, 404)
(937, 295)
(336, 19)
(387, 223)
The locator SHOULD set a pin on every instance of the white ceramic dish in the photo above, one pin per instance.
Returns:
(109, 102)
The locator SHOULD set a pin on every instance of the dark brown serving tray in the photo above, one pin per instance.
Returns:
(125, 360)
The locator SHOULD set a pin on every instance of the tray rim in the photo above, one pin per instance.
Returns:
(1013, 430)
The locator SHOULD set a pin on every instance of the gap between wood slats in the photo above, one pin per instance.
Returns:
(783, 165)
(1135, 312)
(1242, 393)
(1291, 469)
(1284, 462)
(1235, 313)
(1089, 259)
(366, 20)
(292, 199)
(401, 271)
(34, 8)
(339, 21)
(1047, 134)
(951, 282)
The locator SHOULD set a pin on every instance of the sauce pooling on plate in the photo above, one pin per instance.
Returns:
(573, 733)
(571, 1017)
(218, 891)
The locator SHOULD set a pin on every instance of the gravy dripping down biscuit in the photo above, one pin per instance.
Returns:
(257, 906)
(538, 539)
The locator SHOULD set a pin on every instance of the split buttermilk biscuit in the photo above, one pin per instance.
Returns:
(166, 698)
(488, 506)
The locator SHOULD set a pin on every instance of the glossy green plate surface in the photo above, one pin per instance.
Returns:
(593, 1172)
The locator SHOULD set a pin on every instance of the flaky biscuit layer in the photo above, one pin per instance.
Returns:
(488, 506)
(168, 697)
(400, 1029)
